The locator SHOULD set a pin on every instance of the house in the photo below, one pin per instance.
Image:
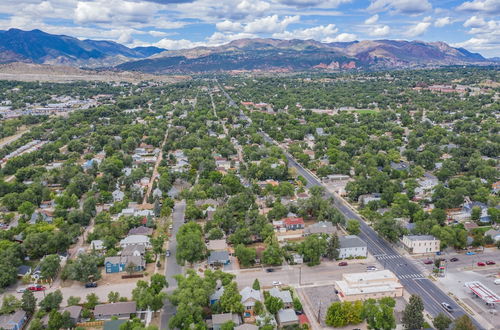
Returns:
(361, 286)
(287, 317)
(141, 230)
(351, 246)
(249, 296)
(215, 297)
(219, 319)
(495, 234)
(157, 193)
(40, 216)
(133, 250)
(421, 243)
(293, 223)
(217, 245)
(23, 270)
(322, 227)
(36, 274)
(13, 321)
(401, 166)
(297, 259)
(120, 263)
(135, 240)
(367, 198)
(284, 295)
(120, 310)
(218, 258)
(118, 195)
(75, 313)
(97, 245)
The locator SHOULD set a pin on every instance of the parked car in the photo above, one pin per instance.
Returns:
(439, 253)
(167, 253)
(21, 290)
(36, 287)
(447, 307)
(490, 262)
(276, 283)
(343, 263)
(453, 259)
(170, 227)
(428, 262)
(91, 285)
(470, 253)
(371, 268)
(497, 281)
(481, 264)
(269, 270)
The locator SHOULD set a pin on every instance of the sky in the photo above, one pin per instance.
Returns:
(177, 24)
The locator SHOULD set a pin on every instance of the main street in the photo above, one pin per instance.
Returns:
(171, 267)
(408, 273)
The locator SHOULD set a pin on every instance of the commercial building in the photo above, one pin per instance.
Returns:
(421, 243)
(351, 246)
(361, 286)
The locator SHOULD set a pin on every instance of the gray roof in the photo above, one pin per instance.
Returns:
(248, 293)
(23, 270)
(322, 227)
(284, 295)
(142, 230)
(130, 249)
(420, 237)
(74, 311)
(218, 256)
(217, 294)
(492, 233)
(8, 320)
(136, 260)
(226, 317)
(351, 241)
(287, 315)
(116, 308)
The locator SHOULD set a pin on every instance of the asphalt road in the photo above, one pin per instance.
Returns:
(408, 273)
(172, 268)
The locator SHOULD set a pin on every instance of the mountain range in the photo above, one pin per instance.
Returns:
(43, 48)
(244, 54)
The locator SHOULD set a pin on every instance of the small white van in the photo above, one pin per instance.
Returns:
(497, 281)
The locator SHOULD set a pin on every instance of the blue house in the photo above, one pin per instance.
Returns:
(13, 321)
(119, 264)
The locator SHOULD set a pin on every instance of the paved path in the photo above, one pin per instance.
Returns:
(171, 267)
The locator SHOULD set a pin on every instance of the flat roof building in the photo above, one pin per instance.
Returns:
(361, 286)
(421, 243)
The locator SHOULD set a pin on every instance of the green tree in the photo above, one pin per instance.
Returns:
(92, 301)
(84, 268)
(52, 301)
(332, 247)
(413, 317)
(475, 213)
(463, 323)
(256, 285)
(273, 304)
(28, 302)
(353, 227)
(55, 320)
(73, 301)
(113, 296)
(36, 324)
(190, 243)
(26, 208)
(10, 304)
(158, 282)
(246, 256)
(441, 322)
(230, 301)
(313, 247)
(335, 316)
(229, 325)
(272, 255)
(49, 266)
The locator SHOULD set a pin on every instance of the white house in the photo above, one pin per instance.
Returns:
(421, 243)
(249, 296)
(118, 195)
(495, 234)
(97, 245)
(135, 240)
(351, 246)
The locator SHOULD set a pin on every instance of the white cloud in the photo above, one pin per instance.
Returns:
(474, 21)
(443, 21)
(410, 7)
(270, 24)
(418, 29)
(485, 6)
(380, 31)
(314, 3)
(249, 6)
(171, 44)
(372, 20)
(219, 38)
(229, 26)
(158, 34)
(342, 37)
(320, 33)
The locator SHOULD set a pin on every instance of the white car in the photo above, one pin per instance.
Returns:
(497, 281)
(21, 290)
(371, 268)
(276, 283)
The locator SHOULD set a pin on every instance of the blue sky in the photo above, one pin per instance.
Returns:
(176, 24)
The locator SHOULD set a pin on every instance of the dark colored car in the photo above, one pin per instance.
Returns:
(91, 285)
(343, 263)
(269, 270)
(37, 287)
(453, 259)
(167, 253)
(490, 262)
(428, 262)
(481, 264)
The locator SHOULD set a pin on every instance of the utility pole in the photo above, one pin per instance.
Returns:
(319, 313)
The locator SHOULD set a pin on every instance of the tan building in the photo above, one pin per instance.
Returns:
(361, 286)
(421, 243)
